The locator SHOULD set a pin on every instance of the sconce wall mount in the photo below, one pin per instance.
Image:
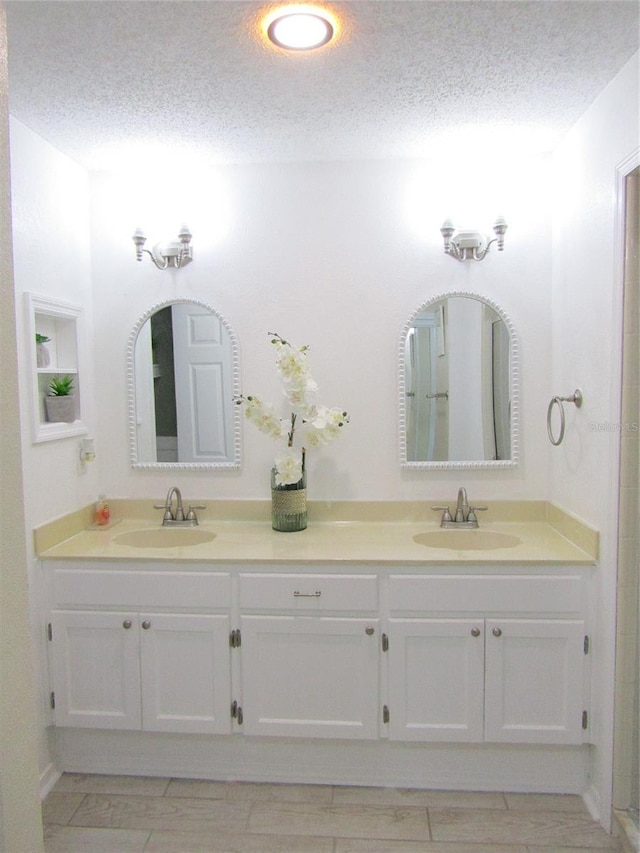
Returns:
(175, 254)
(471, 245)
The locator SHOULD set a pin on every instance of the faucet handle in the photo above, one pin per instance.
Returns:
(191, 514)
(167, 512)
(472, 512)
(446, 512)
(168, 515)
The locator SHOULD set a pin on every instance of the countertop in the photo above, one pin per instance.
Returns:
(547, 535)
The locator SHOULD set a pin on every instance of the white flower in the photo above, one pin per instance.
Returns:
(325, 425)
(301, 394)
(263, 416)
(325, 417)
(318, 424)
(288, 468)
(291, 362)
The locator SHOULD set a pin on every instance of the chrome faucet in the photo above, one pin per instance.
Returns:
(178, 518)
(465, 516)
(462, 508)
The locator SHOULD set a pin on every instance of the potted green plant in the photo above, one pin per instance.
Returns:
(60, 403)
(43, 357)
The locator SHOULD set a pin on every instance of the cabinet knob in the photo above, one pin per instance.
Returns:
(475, 632)
(369, 631)
(126, 624)
(146, 624)
(497, 632)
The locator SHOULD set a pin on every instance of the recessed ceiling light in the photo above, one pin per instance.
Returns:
(301, 29)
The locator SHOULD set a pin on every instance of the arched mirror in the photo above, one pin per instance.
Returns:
(458, 383)
(183, 373)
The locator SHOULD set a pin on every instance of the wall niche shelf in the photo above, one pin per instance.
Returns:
(60, 322)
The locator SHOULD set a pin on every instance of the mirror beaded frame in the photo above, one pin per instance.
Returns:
(236, 458)
(514, 387)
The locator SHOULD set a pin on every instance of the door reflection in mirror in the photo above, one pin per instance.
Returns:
(457, 372)
(184, 368)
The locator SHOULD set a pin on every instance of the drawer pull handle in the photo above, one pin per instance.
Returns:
(316, 594)
(127, 624)
(497, 632)
(475, 632)
(146, 624)
(369, 631)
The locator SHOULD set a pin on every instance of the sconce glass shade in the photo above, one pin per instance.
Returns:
(499, 228)
(139, 240)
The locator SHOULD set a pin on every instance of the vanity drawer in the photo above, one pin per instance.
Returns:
(131, 588)
(313, 592)
(487, 594)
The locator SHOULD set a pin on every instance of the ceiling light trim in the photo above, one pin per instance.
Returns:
(317, 28)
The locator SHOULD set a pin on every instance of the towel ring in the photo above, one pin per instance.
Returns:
(576, 399)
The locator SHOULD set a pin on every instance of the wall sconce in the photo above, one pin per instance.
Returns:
(471, 245)
(87, 450)
(176, 254)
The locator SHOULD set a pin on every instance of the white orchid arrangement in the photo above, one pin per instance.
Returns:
(314, 424)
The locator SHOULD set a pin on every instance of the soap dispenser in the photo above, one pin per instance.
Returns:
(102, 513)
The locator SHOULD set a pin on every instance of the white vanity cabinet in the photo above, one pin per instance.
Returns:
(115, 665)
(310, 652)
(487, 657)
(322, 672)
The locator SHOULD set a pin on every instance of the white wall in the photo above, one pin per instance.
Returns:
(20, 822)
(586, 315)
(51, 257)
(337, 256)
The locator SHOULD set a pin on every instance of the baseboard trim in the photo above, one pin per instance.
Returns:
(379, 763)
(48, 779)
(626, 831)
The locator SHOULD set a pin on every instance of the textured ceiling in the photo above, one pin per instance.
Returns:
(104, 79)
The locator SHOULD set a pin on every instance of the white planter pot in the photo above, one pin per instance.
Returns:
(61, 409)
(43, 356)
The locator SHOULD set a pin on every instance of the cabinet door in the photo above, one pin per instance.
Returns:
(95, 669)
(534, 678)
(186, 673)
(310, 676)
(436, 679)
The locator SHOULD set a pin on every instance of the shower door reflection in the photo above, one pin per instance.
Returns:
(457, 369)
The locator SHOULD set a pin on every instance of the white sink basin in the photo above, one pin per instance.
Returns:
(164, 537)
(467, 540)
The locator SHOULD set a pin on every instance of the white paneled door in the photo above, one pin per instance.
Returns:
(95, 667)
(436, 679)
(156, 671)
(310, 676)
(186, 684)
(204, 391)
(534, 681)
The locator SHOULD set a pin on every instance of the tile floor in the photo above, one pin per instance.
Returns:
(124, 814)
